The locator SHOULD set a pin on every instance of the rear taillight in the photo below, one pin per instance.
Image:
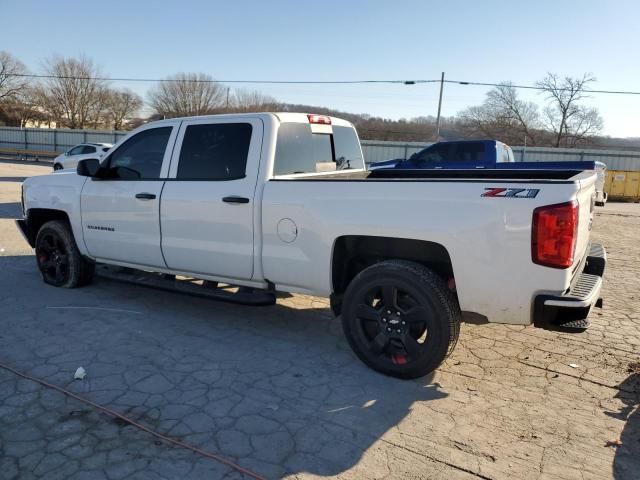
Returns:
(554, 234)
(321, 119)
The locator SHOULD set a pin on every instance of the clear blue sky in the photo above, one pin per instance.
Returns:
(487, 41)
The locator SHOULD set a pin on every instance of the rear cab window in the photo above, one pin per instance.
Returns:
(303, 148)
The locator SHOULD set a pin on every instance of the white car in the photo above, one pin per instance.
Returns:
(70, 158)
(282, 202)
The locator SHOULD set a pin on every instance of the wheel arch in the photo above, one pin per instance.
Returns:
(36, 217)
(353, 253)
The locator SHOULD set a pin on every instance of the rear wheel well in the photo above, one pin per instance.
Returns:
(36, 217)
(354, 253)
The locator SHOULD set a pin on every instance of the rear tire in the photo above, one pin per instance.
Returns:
(59, 259)
(400, 318)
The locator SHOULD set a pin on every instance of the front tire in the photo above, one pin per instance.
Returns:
(400, 318)
(58, 257)
(57, 167)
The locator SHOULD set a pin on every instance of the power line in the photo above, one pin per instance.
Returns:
(535, 87)
(313, 82)
(195, 80)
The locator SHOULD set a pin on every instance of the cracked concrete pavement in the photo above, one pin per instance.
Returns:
(278, 391)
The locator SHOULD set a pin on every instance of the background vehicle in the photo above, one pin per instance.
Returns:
(601, 175)
(71, 157)
(283, 202)
(455, 154)
(490, 154)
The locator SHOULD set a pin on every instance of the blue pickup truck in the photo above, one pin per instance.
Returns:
(489, 154)
(466, 154)
(459, 154)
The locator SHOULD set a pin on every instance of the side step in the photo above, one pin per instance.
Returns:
(190, 286)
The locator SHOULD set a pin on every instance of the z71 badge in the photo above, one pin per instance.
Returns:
(511, 192)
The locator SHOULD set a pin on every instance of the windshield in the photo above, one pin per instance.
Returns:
(299, 150)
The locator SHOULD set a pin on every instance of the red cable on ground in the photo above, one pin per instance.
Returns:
(113, 413)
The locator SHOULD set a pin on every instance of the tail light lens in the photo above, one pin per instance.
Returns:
(554, 234)
(321, 119)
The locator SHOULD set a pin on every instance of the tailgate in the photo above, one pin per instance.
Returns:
(586, 202)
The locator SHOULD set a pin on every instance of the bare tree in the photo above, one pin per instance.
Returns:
(21, 109)
(570, 122)
(518, 114)
(504, 116)
(74, 93)
(11, 80)
(98, 115)
(122, 105)
(252, 101)
(186, 94)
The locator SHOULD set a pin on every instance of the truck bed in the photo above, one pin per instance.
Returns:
(515, 175)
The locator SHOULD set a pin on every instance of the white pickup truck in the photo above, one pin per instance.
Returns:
(282, 202)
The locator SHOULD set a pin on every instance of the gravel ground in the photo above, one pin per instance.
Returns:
(278, 391)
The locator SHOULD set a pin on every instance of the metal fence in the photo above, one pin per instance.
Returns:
(52, 139)
(613, 159)
(61, 140)
(376, 151)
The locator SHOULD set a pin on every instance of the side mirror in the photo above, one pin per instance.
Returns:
(88, 167)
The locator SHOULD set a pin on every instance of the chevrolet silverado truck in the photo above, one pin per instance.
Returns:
(283, 202)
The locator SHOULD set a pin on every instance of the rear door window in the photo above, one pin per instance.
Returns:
(87, 149)
(215, 151)
(470, 152)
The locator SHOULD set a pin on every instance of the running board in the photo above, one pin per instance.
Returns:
(190, 286)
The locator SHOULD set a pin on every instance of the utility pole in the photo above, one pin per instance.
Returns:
(439, 108)
(228, 98)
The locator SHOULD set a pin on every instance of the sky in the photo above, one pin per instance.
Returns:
(484, 41)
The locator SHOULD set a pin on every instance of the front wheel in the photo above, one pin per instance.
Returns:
(58, 257)
(57, 167)
(400, 318)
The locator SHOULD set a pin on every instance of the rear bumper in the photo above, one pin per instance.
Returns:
(24, 229)
(601, 198)
(575, 304)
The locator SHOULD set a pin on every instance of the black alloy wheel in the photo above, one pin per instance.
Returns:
(400, 318)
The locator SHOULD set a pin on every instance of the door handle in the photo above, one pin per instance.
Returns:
(235, 199)
(145, 196)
